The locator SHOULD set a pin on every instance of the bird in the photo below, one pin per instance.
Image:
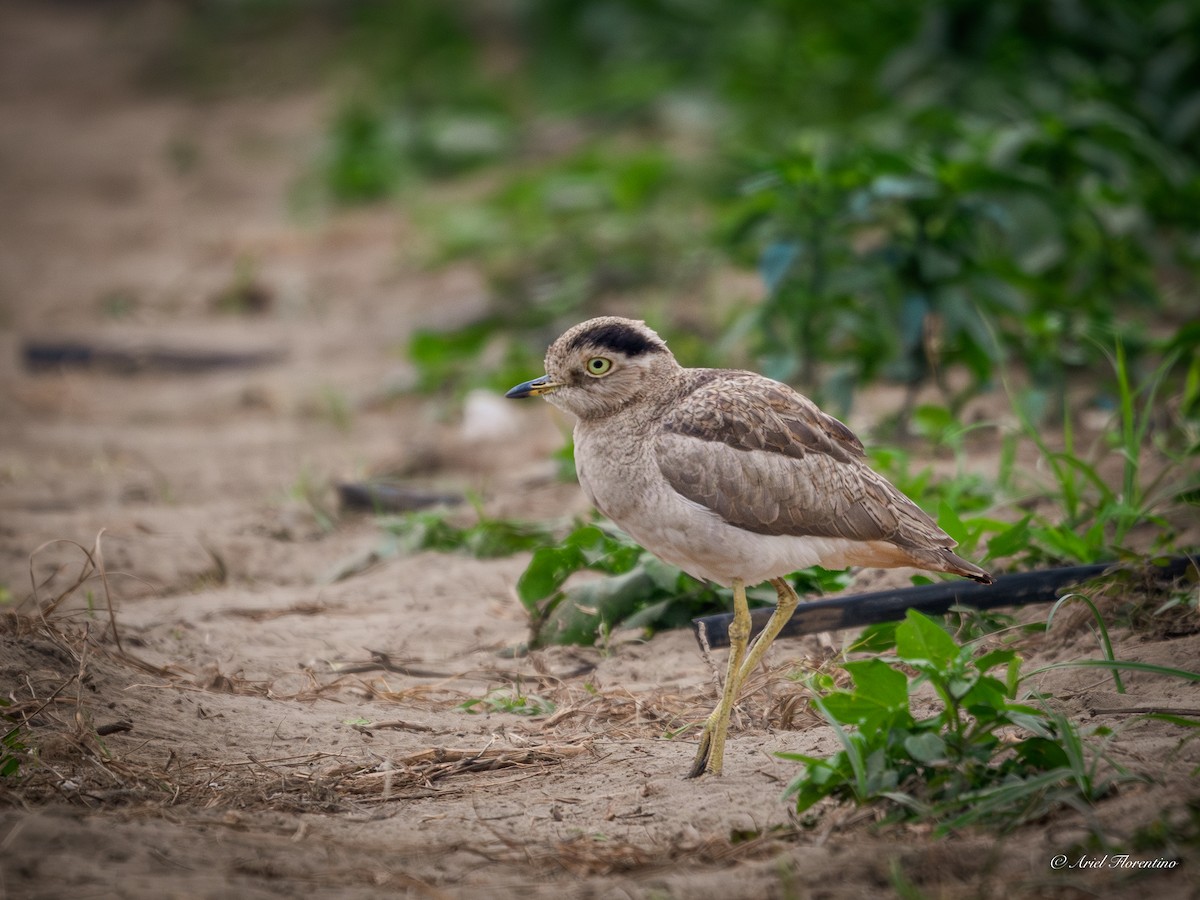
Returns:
(731, 476)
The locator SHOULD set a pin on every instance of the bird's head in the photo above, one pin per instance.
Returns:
(600, 366)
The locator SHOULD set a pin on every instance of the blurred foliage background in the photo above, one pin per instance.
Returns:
(951, 195)
(927, 191)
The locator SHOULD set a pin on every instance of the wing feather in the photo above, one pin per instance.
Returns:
(765, 458)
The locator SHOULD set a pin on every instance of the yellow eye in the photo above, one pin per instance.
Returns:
(598, 366)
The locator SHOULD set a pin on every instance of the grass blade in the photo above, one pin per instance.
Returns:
(1116, 664)
(1105, 642)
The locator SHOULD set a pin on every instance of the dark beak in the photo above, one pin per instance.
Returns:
(534, 388)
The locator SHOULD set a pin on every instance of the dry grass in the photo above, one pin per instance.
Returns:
(68, 759)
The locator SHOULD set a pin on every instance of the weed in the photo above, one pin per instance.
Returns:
(1174, 829)
(984, 758)
(968, 187)
(555, 238)
(476, 355)
(486, 538)
(363, 159)
(509, 701)
(1101, 628)
(902, 885)
(1094, 514)
(311, 491)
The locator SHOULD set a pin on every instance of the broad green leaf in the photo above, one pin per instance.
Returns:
(881, 775)
(959, 687)
(547, 570)
(986, 696)
(1041, 753)
(848, 709)
(877, 638)
(880, 683)
(577, 619)
(993, 659)
(920, 638)
(926, 747)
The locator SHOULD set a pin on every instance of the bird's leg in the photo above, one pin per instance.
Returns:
(711, 752)
(784, 607)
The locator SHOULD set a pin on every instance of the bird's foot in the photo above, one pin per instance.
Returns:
(710, 755)
(700, 763)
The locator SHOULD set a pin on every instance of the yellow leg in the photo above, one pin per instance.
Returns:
(784, 607)
(711, 752)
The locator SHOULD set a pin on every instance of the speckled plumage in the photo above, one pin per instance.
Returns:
(729, 475)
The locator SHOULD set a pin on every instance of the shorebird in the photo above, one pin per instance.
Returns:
(729, 475)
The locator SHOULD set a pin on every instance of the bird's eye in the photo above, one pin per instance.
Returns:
(598, 366)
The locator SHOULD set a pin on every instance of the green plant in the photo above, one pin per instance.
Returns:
(486, 538)
(1174, 829)
(916, 250)
(1101, 629)
(1094, 514)
(554, 238)
(310, 490)
(477, 355)
(984, 757)
(507, 700)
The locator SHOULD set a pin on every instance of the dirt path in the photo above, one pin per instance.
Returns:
(262, 730)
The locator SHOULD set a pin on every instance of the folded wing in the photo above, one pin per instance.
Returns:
(766, 459)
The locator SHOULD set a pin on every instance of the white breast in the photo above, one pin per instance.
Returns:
(623, 482)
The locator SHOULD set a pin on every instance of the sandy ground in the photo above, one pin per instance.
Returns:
(219, 717)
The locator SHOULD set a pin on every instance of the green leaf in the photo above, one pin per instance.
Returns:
(949, 522)
(877, 638)
(987, 693)
(585, 608)
(1011, 541)
(848, 709)
(875, 679)
(879, 698)
(919, 638)
(547, 570)
(1117, 665)
(995, 658)
(1041, 753)
(925, 747)
(959, 687)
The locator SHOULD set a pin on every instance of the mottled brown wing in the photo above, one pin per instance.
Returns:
(750, 412)
(765, 458)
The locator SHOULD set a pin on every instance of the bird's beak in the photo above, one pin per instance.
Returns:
(534, 388)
